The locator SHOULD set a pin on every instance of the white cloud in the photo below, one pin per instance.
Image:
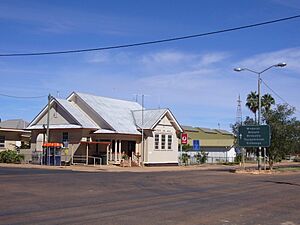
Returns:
(261, 61)
(213, 57)
(105, 57)
(166, 57)
(201, 89)
(288, 3)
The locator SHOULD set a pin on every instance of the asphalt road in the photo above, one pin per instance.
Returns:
(32, 196)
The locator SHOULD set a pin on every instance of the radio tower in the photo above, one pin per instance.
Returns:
(239, 118)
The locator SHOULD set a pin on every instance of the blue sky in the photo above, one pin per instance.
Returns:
(194, 78)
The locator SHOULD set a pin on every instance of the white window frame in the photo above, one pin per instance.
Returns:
(156, 142)
(163, 142)
(2, 141)
(170, 141)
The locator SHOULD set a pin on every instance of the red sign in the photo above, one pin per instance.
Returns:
(184, 139)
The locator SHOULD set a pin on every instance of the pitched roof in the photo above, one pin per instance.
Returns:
(146, 119)
(189, 128)
(210, 137)
(54, 126)
(120, 116)
(223, 131)
(79, 115)
(208, 130)
(14, 124)
(117, 113)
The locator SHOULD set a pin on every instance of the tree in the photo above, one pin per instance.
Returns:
(235, 131)
(267, 101)
(285, 135)
(235, 127)
(252, 102)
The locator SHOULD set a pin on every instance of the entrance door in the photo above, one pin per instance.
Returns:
(130, 148)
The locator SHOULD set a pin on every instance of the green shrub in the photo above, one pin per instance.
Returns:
(10, 156)
(185, 158)
(238, 158)
(203, 156)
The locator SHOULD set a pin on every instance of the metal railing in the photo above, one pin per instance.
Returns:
(90, 160)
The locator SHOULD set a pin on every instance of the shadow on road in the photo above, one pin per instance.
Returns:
(281, 182)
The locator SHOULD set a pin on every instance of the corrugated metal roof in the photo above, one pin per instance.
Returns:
(208, 130)
(189, 128)
(104, 131)
(150, 117)
(223, 131)
(117, 113)
(210, 137)
(14, 130)
(79, 115)
(54, 126)
(14, 124)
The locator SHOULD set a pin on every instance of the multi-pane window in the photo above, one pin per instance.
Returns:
(156, 144)
(2, 141)
(163, 141)
(169, 142)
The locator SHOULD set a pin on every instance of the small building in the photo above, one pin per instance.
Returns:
(13, 134)
(92, 127)
(217, 143)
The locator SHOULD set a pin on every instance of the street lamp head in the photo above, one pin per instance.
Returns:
(282, 64)
(238, 69)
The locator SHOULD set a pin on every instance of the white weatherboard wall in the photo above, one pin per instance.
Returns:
(162, 155)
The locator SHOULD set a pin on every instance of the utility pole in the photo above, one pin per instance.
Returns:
(48, 129)
(48, 118)
(143, 129)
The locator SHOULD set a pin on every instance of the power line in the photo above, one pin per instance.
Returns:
(274, 92)
(151, 42)
(22, 97)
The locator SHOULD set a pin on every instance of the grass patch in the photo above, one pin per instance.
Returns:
(288, 169)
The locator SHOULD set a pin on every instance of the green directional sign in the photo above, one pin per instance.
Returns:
(254, 136)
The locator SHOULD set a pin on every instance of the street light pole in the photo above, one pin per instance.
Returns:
(259, 115)
(282, 64)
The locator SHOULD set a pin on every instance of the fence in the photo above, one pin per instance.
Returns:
(90, 160)
(193, 160)
(37, 158)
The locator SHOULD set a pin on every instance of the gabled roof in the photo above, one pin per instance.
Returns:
(79, 115)
(149, 118)
(18, 124)
(107, 115)
(146, 119)
(117, 113)
(83, 120)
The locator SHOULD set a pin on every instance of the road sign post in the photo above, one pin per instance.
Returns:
(196, 145)
(184, 139)
(254, 136)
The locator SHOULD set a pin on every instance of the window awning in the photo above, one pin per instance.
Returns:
(52, 144)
